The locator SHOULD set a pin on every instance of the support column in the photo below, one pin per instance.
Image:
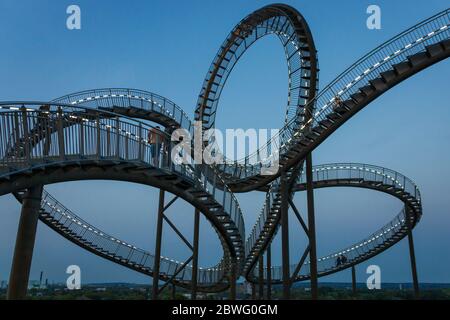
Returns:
(285, 237)
(311, 228)
(174, 291)
(261, 277)
(412, 257)
(269, 272)
(232, 294)
(354, 281)
(159, 229)
(195, 254)
(25, 239)
(253, 291)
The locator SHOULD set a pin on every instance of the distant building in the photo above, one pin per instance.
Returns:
(36, 284)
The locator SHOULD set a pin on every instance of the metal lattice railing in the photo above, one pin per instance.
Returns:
(360, 251)
(80, 231)
(31, 138)
(128, 98)
(369, 67)
(361, 175)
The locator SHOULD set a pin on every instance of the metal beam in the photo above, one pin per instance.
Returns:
(253, 291)
(25, 239)
(300, 264)
(285, 236)
(261, 277)
(233, 276)
(354, 281)
(269, 271)
(299, 216)
(170, 203)
(159, 227)
(311, 228)
(175, 274)
(174, 291)
(412, 257)
(178, 232)
(195, 254)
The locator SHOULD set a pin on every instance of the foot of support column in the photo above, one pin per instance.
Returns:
(269, 272)
(311, 228)
(354, 281)
(232, 294)
(253, 291)
(261, 277)
(285, 238)
(156, 266)
(195, 254)
(174, 292)
(23, 251)
(412, 257)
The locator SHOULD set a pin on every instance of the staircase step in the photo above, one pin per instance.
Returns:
(379, 84)
(358, 97)
(326, 123)
(402, 67)
(388, 75)
(349, 103)
(318, 129)
(333, 116)
(446, 44)
(341, 109)
(434, 49)
(367, 90)
(418, 58)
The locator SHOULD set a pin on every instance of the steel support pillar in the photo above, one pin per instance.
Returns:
(232, 293)
(25, 239)
(195, 254)
(269, 272)
(253, 291)
(174, 291)
(261, 277)
(354, 281)
(285, 237)
(412, 257)
(311, 228)
(159, 229)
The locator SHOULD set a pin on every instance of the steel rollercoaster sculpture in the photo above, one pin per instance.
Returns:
(99, 134)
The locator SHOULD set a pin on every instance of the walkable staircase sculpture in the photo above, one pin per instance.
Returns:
(101, 134)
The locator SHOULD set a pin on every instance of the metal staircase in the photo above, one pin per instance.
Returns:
(94, 135)
(360, 176)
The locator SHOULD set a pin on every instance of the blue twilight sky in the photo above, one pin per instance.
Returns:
(166, 47)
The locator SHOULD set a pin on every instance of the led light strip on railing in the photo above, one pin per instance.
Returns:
(123, 96)
(252, 245)
(379, 63)
(393, 179)
(128, 95)
(89, 227)
(15, 108)
(362, 243)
